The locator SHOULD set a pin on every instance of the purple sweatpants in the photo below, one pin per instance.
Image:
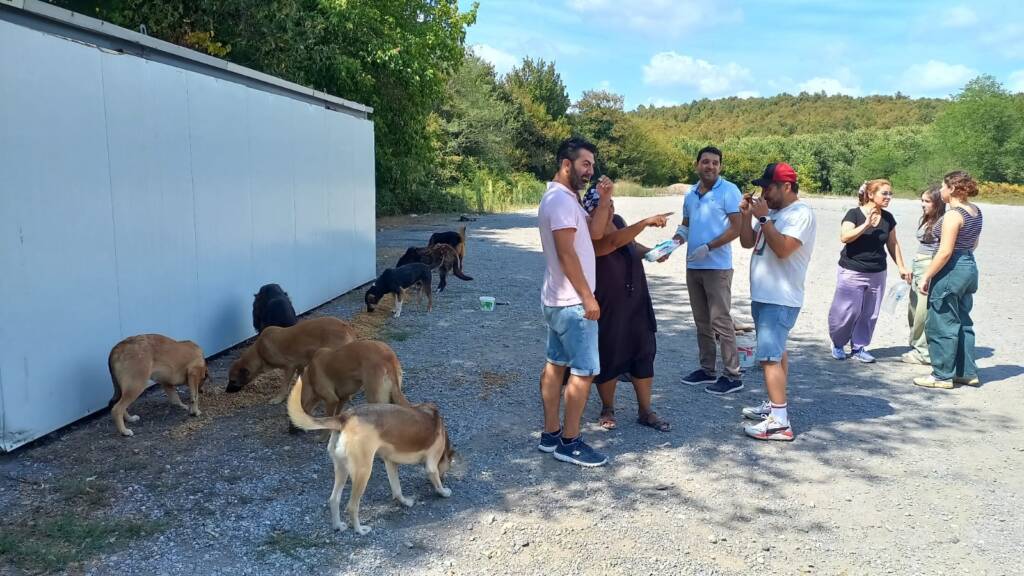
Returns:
(855, 307)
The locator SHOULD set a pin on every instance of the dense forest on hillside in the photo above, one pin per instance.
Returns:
(452, 135)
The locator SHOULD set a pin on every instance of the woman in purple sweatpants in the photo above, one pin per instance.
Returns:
(867, 232)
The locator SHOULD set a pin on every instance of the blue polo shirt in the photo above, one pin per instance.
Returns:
(709, 218)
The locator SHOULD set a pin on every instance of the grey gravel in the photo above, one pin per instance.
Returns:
(883, 477)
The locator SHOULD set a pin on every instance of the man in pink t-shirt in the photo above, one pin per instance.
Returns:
(567, 297)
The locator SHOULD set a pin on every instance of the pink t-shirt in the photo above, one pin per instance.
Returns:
(560, 209)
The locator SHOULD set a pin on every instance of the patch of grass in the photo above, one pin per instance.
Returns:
(88, 493)
(287, 543)
(395, 335)
(53, 544)
(626, 188)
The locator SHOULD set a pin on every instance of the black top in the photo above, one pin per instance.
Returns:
(867, 252)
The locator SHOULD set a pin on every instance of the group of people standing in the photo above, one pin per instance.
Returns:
(601, 321)
(943, 279)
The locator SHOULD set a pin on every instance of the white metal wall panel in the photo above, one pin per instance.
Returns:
(150, 182)
(64, 307)
(140, 197)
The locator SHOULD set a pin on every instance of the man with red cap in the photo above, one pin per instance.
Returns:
(782, 238)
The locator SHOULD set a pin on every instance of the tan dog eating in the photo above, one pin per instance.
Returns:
(136, 360)
(288, 348)
(334, 375)
(398, 434)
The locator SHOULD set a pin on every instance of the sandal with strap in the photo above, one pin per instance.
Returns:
(652, 420)
(607, 419)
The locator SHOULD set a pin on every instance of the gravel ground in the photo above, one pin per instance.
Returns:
(883, 478)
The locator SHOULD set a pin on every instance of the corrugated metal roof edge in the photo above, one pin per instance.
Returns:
(144, 42)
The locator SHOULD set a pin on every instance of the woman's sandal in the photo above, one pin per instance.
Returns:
(607, 419)
(654, 421)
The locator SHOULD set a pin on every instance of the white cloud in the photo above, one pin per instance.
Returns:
(748, 94)
(664, 17)
(830, 86)
(959, 17)
(934, 76)
(604, 85)
(1006, 39)
(502, 61)
(674, 69)
(1016, 83)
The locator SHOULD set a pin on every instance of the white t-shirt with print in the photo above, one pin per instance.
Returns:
(775, 280)
(560, 209)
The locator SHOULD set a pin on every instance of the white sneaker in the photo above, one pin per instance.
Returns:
(769, 429)
(862, 355)
(758, 412)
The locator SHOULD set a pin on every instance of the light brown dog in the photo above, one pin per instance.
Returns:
(334, 375)
(288, 348)
(136, 360)
(399, 434)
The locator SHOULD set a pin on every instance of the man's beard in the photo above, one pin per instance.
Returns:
(578, 182)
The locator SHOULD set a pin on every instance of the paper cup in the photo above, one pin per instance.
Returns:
(487, 303)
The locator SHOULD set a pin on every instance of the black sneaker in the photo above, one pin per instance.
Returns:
(698, 377)
(579, 453)
(549, 441)
(724, 385)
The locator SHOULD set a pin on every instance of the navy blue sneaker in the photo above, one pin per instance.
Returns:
(549, 441)
(580, 453)
(698, 377)
(724, 385)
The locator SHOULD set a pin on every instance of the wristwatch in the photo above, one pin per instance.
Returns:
(763, 220)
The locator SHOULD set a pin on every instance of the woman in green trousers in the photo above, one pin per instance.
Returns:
(932, 209)
(950, 283)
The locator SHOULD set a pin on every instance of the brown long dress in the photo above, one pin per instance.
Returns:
(627, 326)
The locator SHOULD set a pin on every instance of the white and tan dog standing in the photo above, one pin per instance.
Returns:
(398, 434)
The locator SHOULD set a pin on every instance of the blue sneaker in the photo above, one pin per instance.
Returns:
(579, 453)
(724, 385)
(862, 355)
(698, 377)
(838, 353)
(549, 441)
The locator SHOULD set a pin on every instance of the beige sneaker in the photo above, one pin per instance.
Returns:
(914, 357)
(929, 381)
(972, 381)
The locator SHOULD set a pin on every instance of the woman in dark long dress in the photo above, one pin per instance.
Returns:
(627, 325)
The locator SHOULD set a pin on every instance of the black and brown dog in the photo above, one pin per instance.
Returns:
(440, 256)
(456, 240)
(395, 281)
(271, 306)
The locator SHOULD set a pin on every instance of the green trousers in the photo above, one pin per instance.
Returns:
(917, 313)
(949, 327)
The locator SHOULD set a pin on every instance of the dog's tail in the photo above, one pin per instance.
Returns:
(395, 375)
(462, 244)
(113, 378)
(457, 269)
(302, 420)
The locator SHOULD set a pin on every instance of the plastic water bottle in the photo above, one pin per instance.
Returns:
(896, 294)
(662, 249)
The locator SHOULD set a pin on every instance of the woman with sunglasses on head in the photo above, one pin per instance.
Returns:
(932, 209)
(868, 231)
(950, 283)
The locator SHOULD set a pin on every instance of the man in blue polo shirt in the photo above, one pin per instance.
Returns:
(711, 221)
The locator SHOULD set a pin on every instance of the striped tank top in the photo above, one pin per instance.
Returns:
(967, 239)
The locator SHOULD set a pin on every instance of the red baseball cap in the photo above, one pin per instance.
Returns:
(777, 172)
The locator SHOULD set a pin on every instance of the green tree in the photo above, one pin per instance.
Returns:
(542, 83)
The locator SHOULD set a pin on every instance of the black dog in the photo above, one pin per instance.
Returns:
(440, 256)
(395, 281)
(456, 240)
(272, 307)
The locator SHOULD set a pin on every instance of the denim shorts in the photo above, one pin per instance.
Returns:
(572, 340)
(772, 323)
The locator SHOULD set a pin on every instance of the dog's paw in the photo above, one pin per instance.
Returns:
(340, 527)
(127, 433)
(406, 501)
(445, 492)
(134, 418)
(195, 412)
(362, 529)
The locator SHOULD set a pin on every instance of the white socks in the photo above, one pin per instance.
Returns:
(780, 413)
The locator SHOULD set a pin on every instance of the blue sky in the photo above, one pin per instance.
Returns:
(663, 52)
